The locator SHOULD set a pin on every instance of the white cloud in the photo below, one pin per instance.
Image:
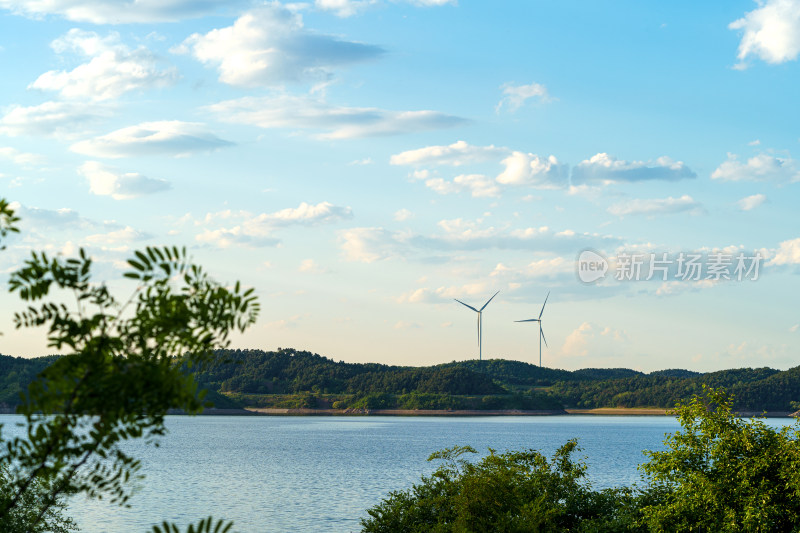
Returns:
(64, 218)
(268, 46)
(344, 8)
(173, 137)
(608, 169)
(548, 267)
(671, 288)
(403, 215)
(116, 238)
(347, 8)
(367, 245)
(236, 236)
(373, 244)
(788, 253)
(258, 230)
(113, 68)
(771, 32)
(762, 167)
(306, 214)
(514, 96)
(657, 206)
(422, 295)
(109, 181)
(286, 323)
(533, 171)
(478, 185)
(309, 266)
(457, 154)
(119, 11)
(57, 119)
(589, 338)
(405, 324)
(751, 202)
(312, 113)
(24, 159)
(479, 289)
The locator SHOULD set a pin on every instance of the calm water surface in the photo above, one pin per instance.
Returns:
(317, 474)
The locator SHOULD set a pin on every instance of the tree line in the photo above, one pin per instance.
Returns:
(294, 378)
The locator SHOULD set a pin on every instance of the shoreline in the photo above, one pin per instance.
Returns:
(600, 411)
(268, 411)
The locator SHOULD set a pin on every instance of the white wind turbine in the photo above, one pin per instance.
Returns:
(541, 333)
(480, 312)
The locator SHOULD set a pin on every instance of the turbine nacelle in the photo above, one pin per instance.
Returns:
(541, 331)
(480, 312)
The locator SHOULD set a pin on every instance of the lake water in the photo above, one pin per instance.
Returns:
(319, 474)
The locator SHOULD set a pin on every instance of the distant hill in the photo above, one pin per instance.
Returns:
(16, 373)
(295, 378)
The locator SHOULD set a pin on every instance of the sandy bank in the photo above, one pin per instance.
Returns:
(633, 411)
(403, 412)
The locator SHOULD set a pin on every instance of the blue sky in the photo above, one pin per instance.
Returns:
(362, 163)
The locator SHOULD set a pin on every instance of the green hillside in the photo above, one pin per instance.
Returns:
(290, 378)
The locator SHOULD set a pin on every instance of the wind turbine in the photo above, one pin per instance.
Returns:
(541, 333)
(479, 311)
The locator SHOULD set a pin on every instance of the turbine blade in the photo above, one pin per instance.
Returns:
(462, 303)
(545, 303)
(541, 331)
(529, 320)
(490, 299)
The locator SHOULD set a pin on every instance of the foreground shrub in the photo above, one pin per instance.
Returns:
(719, 474)
(514, 491)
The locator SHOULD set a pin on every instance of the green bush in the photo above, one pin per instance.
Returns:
(719, 474)
(514, 491)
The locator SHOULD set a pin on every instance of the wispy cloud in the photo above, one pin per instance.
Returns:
(751, 202)
(51, 119)
(348, 8)
(335, 122)
(457, 154)
(120, 11)
(478, 185)
(370, 244)
(531, 170)
(173, 138)
(258, 230)
(109, 181)
(515, 96)
(23, 159)
(657, 206)
(603, 168)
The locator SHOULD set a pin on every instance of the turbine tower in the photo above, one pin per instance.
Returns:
(541, 332)
(480, 312)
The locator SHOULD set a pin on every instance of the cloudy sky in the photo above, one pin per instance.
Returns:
(363, 162)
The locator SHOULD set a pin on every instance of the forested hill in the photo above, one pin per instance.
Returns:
(16, 373)
(500, 383)
(293, 378)
(292, 371)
